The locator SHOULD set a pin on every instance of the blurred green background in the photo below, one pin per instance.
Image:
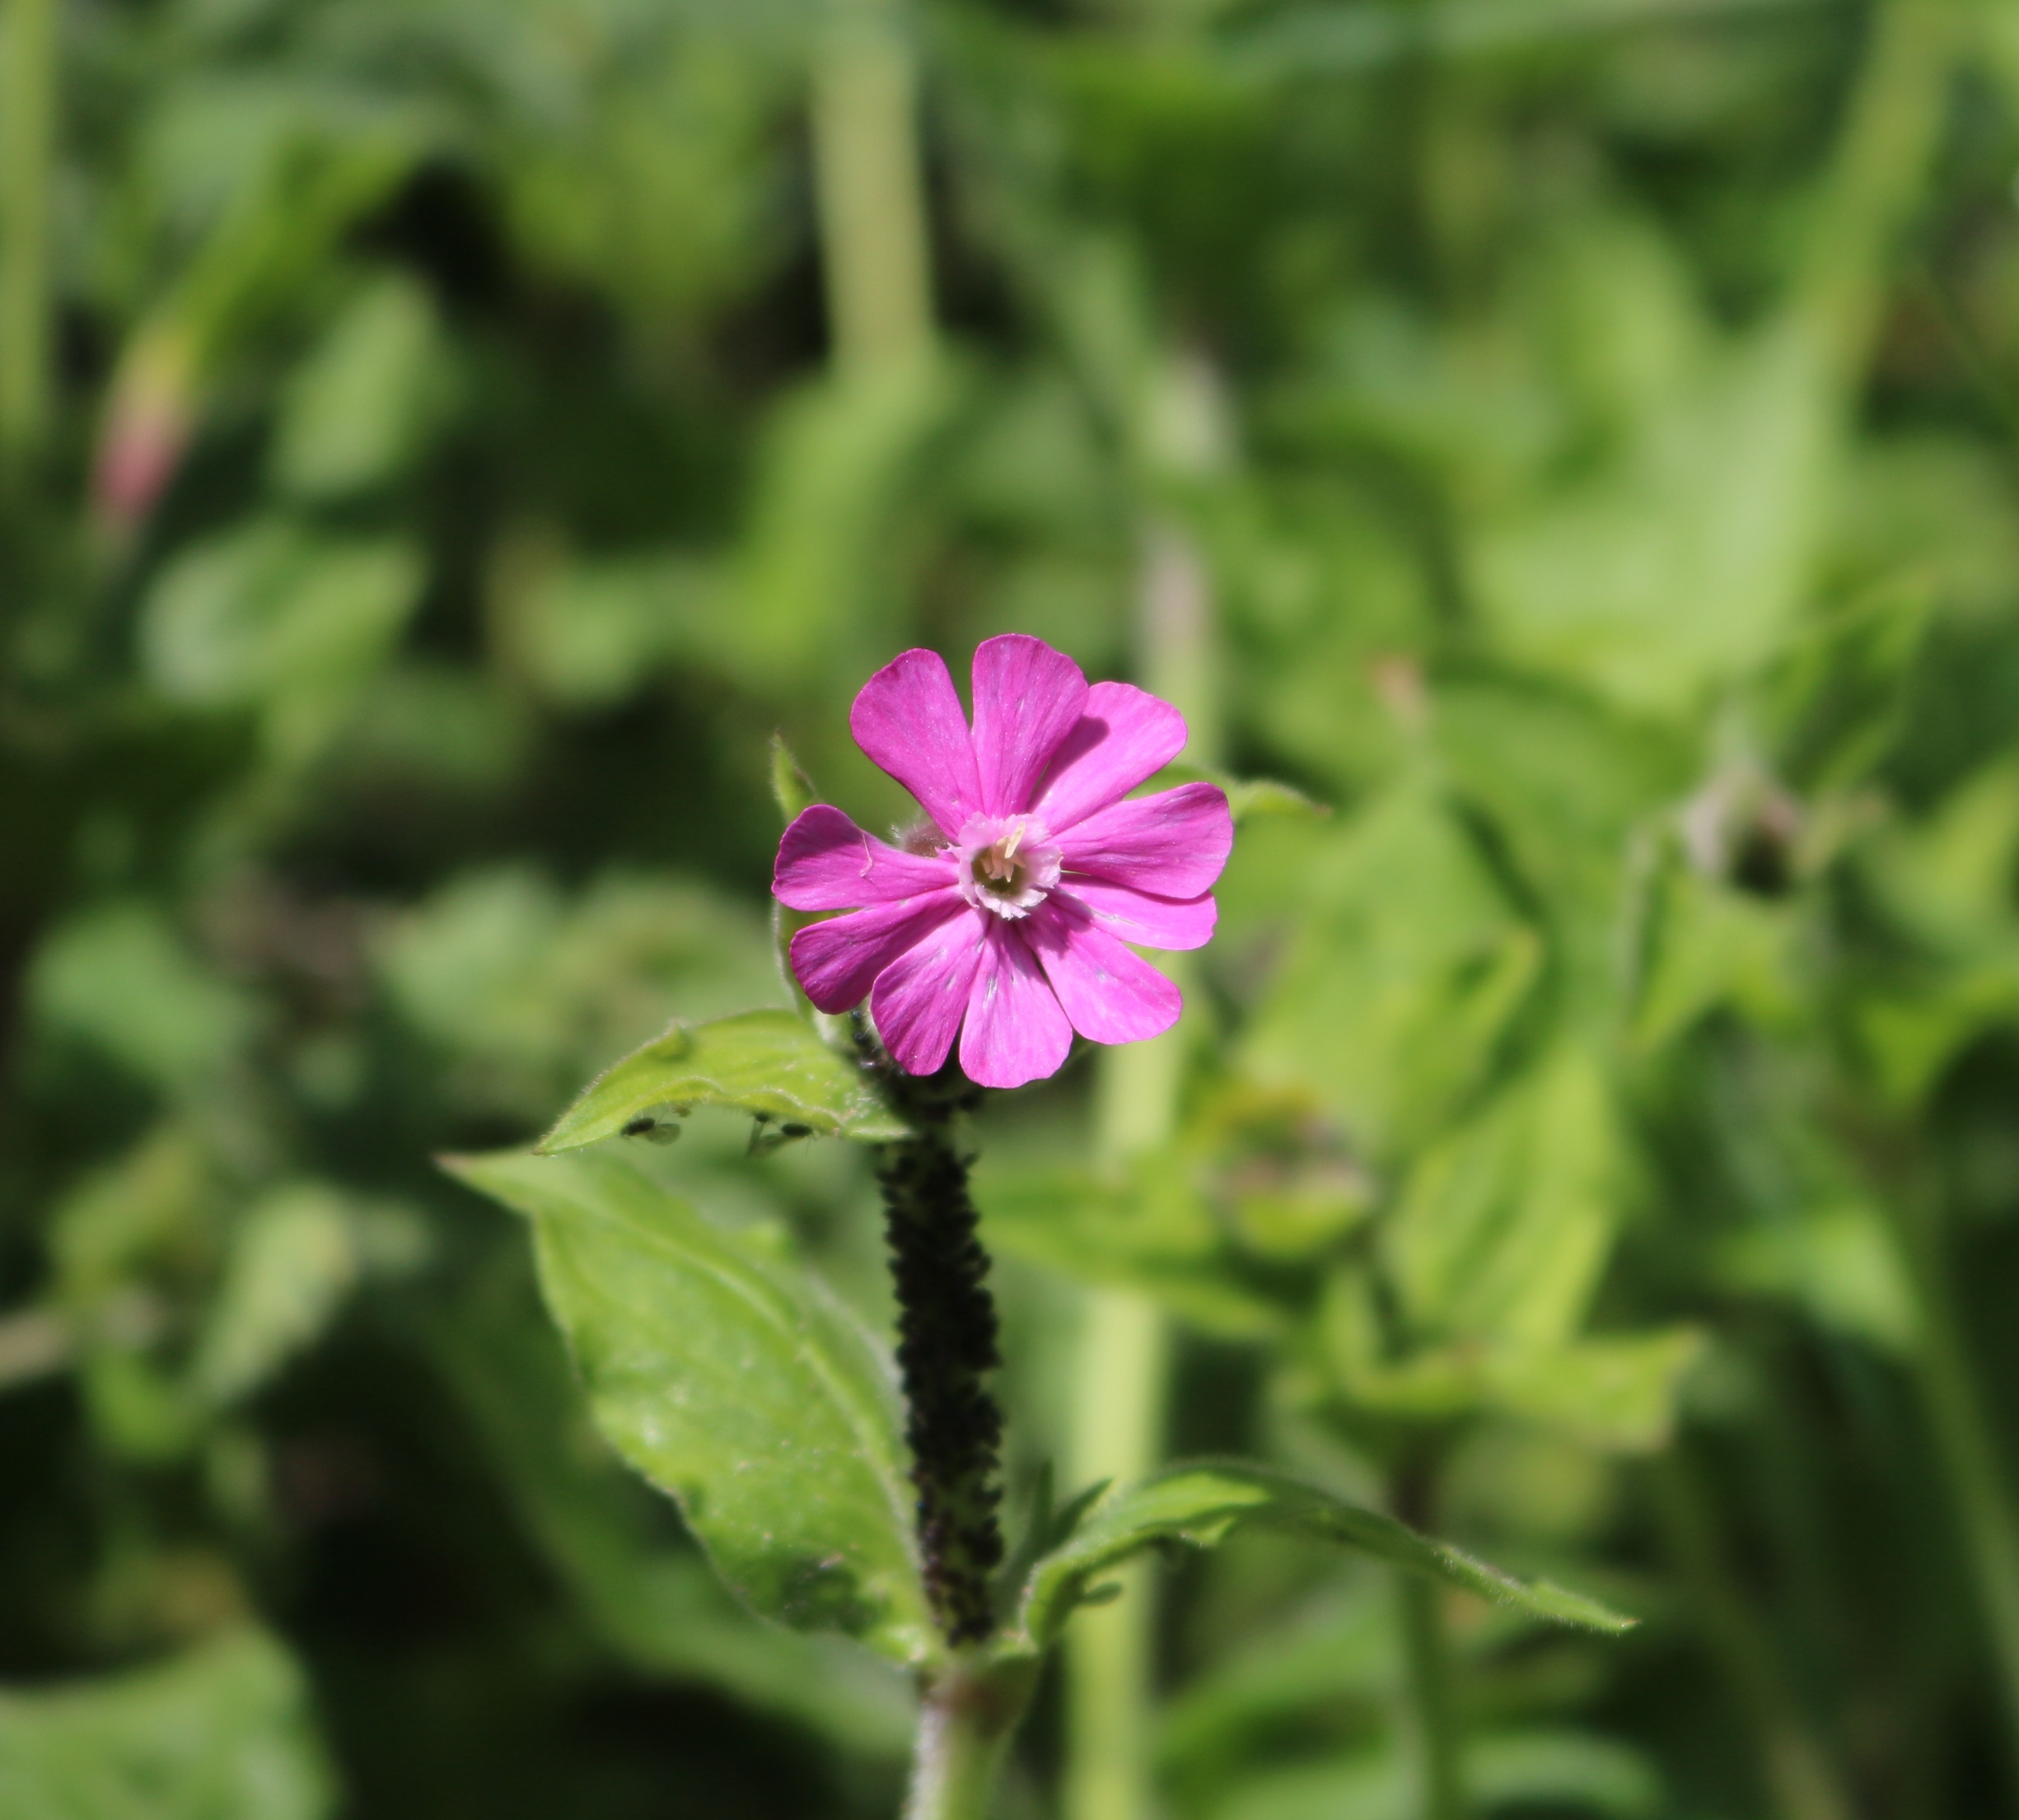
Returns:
(1570, 441)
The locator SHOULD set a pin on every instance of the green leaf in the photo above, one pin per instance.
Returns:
(1840, 1262)
(1615, 1391)
(792, 790)
(522, 989)
(736, 1386)
(1146, 1228)
(590, 632)
(1618, 1391)
(293, 1259)
(1250, 798)
(1202, 1504)
(1505, 1224)
(222, 1733)
(1681, 563)
(357, 410)
(1400, 980)
(653, 1600)
(120, 978)
(1711, 945)
(769, 1063)
(278, 617)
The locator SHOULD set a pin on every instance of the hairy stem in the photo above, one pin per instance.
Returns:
(967, 1719)
(946, 1327)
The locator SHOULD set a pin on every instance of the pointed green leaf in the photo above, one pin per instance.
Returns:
(792, 790)
(652, 1598)
(769, 1063)
(1204, 1503)
(735, 1386)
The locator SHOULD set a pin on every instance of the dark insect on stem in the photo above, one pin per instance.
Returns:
(947, 1344)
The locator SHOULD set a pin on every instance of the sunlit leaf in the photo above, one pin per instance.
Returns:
(769, 1063)
(654, 1599)
(735, 1385)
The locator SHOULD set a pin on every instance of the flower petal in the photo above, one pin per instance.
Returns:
(1124, 735)
(826, 862)
(908, 718)
(1172, 844)
(1137, 917)
(919, 1000)
(1028, 697)
(1016, 1031)
(837, 961)
(1111, 994)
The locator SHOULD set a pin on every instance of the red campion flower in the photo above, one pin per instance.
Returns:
(1005, 923)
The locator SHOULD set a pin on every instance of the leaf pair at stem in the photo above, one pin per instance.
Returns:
(736, 1383)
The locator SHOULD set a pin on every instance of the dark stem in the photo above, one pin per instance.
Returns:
(946, 1329)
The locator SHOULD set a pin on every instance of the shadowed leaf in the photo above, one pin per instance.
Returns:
(1204, 1503)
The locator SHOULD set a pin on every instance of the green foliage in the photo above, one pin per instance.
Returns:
(278, 618)
(660, 1605)
(768, 1063)
(737, 1387)
(1570, 443)
(1202, 1504)
(361, 406)
(221, 1733)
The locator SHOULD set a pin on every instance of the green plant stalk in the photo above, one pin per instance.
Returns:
(1125, 1342)
(28, 128)
(1124, 1358)
(1800, 1779)
(969, 1712)
(1438, 1742)
(870, 190)
(1966, 1444)
(1891, 130)
(1435, 1733)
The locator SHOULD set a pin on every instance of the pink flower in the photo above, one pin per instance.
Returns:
(1007, 925)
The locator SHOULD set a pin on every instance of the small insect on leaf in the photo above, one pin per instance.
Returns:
(656, 1124)
(764, 1138)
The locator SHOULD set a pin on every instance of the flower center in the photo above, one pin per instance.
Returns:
(1007, 864)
